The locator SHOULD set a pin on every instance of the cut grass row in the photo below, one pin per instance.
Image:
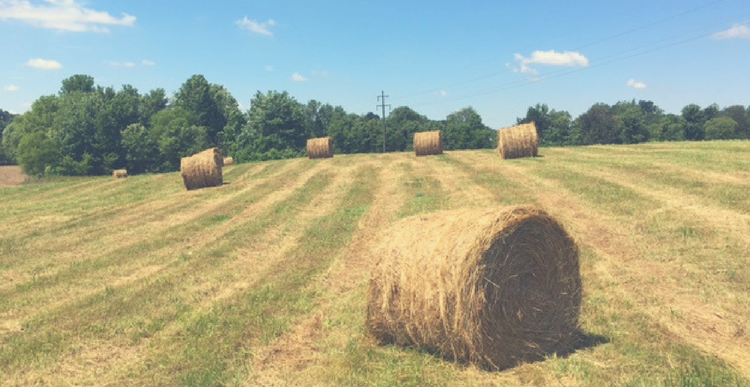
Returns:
(201, 317)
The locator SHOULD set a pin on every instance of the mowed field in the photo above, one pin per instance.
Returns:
(263, 281)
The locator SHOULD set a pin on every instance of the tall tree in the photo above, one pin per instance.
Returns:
(539, 115)
(598, 126)
(78, 83)
(741, 117)
(694, 119)
(720, 128)
(464, 130)
(195, 96)
(276, 121)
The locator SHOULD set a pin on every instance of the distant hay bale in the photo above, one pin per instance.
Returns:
(518, 141)
(228, 160)
(202, 169)
(120, 174)
(320, 148)
(428, 143)
(491, 287)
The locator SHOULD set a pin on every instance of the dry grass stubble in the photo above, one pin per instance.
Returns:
(299, 357)
(714, 330)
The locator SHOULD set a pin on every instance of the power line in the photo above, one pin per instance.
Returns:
(596, 42)
(383, 105)
(559, 73)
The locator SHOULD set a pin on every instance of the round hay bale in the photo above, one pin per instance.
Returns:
(320, 148)
(491, 287)
(428, 143)
(202, 169)
(120, 174)
(228, 160)
(518, 141)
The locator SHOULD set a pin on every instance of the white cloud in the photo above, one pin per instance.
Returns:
(442, 94)
(258, 28)
(44, 64)
(297, 77)
(11, 88)
(635, 84)
(738, 31)
(550, 58)
(320, 74)
(269, 68)
(64, 15)
(121, 64)
(147, 62)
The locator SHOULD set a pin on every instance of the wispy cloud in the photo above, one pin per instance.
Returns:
(11, 88)
(147, 62)
(550, 58)
(44, 64)
(121, 64)
(636, 84)
(738, 31)
(320, 73)
(442, 94)
(269, 68)
(63, 15)
(297, 77)
(261, 28)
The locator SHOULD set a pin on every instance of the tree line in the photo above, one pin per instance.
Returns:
(87, 129)
(631, 122)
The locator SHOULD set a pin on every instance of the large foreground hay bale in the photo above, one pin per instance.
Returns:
(428, 143)
(228, 160)
(119, 174)
(492, 287)
(320, 148)
(518, 141)
(202, 169)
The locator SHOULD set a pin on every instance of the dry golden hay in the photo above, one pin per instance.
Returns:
(120, 174)
(202, 169)
(320, 148)
(492, 287)
(518, 141)
(428, 143)
(228, 160)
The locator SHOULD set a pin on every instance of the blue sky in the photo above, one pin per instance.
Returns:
(437, 57)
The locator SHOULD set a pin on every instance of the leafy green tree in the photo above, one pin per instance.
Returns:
(340, 125)
(694, 119)
(276, 121)
(197, 97)
(5, 119)
(464, 130)
(553, 127)
(632, 122)
(671, 128)
(558, 132)
(37, 153)
(39, 118)
(741, 117)
(78, 83)
(598, 126)
(235, 120)
(721, 128)
(150, 104)
(539, 114)
(176, 135)
(402, 123)
(78, 130)
(141, 149)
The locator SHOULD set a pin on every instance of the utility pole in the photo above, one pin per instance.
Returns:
(383, 105)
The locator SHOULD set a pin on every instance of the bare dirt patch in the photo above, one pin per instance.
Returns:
(11, 176)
